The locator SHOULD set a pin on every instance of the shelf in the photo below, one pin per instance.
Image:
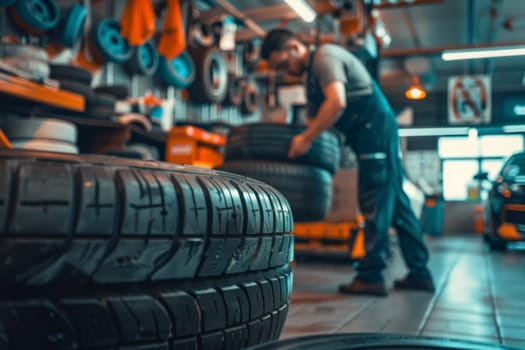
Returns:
(34, 92)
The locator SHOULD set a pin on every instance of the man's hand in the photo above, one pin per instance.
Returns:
(299, 146)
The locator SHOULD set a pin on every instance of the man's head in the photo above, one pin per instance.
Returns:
(282, 50)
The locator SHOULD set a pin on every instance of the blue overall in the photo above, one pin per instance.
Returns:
(370, 127)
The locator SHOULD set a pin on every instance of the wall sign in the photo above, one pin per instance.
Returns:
(469, 99)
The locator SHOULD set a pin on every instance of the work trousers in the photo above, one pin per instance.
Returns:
(371, 130)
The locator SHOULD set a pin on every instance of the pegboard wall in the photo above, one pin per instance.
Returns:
(184, 110)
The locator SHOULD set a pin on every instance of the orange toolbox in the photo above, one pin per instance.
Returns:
(195, 146)
(330, 237)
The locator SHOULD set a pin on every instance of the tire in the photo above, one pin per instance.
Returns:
(201, 34)
(495, 242)
(45, 145)
(102, 107)
(80, 89)
(71, 73)
(112, 253)
(234, 92)
(39, 128)
(119, 91)
(24, 51)
(211, 75)
(264, 141)
(250, 98)
(308, 189)
(36, 68)
(148, 152)
(144, 59)
(108, 42)
(35, 17)
(361, 341)
(178, 72)
(71, 25)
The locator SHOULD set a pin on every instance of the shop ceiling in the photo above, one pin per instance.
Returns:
(419, 29)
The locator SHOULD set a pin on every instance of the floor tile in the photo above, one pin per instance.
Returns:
(453, 315)
(469, 337)
(519, 344)
(458, 327)
(477, 292)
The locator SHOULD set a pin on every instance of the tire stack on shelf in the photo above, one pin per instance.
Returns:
(30, 61)
(41, 134)
(98, 105)
(260, 151)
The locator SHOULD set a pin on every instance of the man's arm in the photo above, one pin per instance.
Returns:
(329, 112)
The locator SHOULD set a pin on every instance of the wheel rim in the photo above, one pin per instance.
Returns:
(181, 66)
(38, 15)
(112, 44)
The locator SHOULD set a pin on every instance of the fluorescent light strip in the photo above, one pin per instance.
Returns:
(513, 128)
(303, 9)
(455, 131)
(469, 54)
(433, 131)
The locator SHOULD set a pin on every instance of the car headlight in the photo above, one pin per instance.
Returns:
(515, 188)
(504, 190)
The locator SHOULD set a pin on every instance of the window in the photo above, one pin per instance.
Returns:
(457, 176)
(463, 157)
(492, 167)
(500, 145)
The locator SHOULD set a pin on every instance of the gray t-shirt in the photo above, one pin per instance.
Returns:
(331, 63)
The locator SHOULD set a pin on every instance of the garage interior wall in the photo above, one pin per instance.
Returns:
(184, 111)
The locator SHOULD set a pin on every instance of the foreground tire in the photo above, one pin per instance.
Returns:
(496, 243)
(307, 188)
(271, 142)
(106, 253)
(361, 341)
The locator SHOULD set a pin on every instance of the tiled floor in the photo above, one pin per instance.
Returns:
(480, 296)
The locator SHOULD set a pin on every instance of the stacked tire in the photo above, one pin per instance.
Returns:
(98, 105)
(106, 253)
(41, 134)
(260, 151)
(32, 60)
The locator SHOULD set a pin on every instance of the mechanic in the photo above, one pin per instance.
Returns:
(342, 94)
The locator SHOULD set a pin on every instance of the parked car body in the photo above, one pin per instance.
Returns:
(505, 208)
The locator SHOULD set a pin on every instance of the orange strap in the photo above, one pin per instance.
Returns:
(137, 24)
(4, 141)
(172, 40)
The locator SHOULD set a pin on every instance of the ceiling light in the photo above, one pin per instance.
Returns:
(303, 9)
(433, 131)
(416, 91)
(472, 54)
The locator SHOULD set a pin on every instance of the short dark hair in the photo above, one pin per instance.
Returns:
(275, 40)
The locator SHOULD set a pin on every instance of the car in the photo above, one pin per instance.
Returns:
(504, 211)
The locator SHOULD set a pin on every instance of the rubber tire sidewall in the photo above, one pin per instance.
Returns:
(202, 89)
